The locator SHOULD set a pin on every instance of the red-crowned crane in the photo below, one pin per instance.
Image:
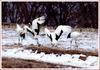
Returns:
(35, 24)
(22, 30)
(54, 36)
(74, 35)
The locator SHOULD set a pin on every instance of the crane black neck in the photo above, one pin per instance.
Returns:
(69, 35)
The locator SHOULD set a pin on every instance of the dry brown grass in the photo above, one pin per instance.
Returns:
(55, 50)
(13, 26)
(19, 63)
(60, 51)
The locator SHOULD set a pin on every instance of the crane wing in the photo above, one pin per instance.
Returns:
(64, 28)
(29, 30)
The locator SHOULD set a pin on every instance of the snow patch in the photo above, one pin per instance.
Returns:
(64, 59)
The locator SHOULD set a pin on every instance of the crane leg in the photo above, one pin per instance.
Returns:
(71, 44)
(18, 39)
(38, 42)
(52, 45)
(76, 45)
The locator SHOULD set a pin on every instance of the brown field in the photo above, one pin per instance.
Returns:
(19, 63)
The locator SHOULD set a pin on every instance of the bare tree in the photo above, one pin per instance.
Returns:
(80, 14)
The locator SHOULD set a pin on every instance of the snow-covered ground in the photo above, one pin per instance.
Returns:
(64, 59)
(87, 41)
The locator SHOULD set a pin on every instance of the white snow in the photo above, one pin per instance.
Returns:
(87, 41)
(64, 59)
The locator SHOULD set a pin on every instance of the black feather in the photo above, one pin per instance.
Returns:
(22, 35)
(58, 36)
(31, 32)
(69, 35)
(50, 37)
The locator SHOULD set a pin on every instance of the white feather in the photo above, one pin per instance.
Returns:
(22, 30)
(26, 27)
(34, 24)
(64, 28)
(39, 20)
(47, 31)
(54, 41)
(75, 34)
